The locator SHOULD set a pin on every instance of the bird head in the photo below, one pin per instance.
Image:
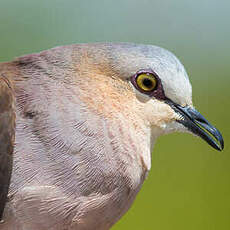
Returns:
(145, 84)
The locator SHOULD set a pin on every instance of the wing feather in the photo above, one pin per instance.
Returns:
(7, 134)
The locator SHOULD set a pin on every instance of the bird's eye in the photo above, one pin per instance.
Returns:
(146, 82)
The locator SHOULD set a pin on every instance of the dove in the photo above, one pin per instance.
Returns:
(78, 124)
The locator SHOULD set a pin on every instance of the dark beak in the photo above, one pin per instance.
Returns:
(198, 125)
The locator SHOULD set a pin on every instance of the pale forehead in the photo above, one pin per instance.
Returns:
(131, 58)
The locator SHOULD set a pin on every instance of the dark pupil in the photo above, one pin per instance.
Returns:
(147, 83)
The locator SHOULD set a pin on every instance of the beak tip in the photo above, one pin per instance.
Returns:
(220, 139)
(222, 145)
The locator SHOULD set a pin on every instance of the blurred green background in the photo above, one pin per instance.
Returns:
(189, 184)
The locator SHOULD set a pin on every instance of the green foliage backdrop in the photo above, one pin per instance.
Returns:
(189, 184)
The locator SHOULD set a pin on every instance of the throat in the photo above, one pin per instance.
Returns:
(130, 145)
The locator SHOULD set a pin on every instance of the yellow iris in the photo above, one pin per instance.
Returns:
(146, 82)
